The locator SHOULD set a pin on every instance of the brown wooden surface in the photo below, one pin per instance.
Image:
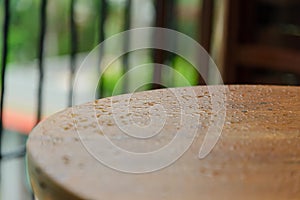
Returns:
(269, 57)
(256, 157)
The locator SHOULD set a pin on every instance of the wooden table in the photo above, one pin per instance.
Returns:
(256, 157)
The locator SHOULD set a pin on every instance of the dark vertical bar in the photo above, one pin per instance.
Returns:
(171, 19)
(171, 15)
(232, 23)
(3, 64)
(127, 25)
(103, 14)
(158, 55)
(164, 18)
(41, 57)
(206, 23)
(73, 47)
(205, 33)
(172, 24)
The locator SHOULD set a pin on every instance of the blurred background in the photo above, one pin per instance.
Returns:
(43, 43)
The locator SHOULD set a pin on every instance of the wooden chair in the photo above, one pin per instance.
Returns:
(262, 43)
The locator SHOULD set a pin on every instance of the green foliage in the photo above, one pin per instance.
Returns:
(25, 23)
(22, 31)
(187, 70)
(24, 35)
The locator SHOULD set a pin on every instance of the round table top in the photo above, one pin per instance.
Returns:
(229, 142)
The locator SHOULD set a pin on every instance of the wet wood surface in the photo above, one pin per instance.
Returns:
(257, 155)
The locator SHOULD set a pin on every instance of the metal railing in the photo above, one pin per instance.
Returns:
(165, 16)
(6, 12)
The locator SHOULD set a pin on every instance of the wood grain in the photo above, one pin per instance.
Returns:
(256, 157)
